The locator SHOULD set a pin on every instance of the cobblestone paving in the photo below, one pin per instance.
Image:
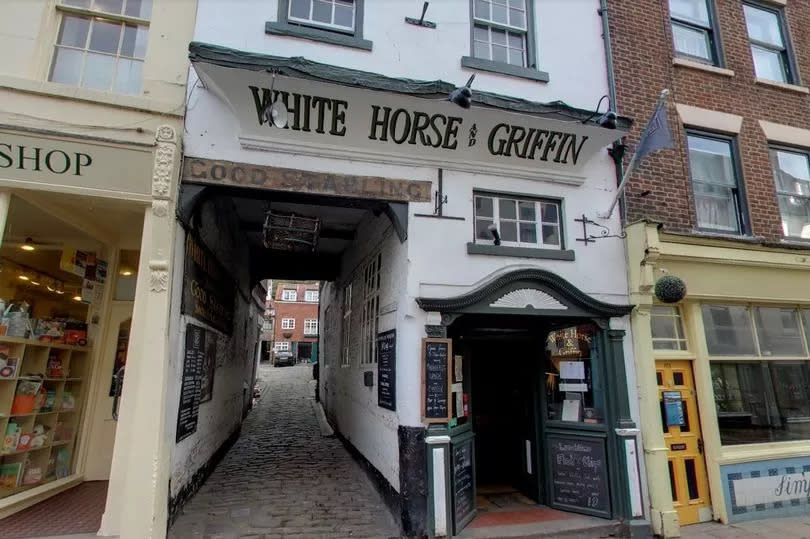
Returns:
(283, 480)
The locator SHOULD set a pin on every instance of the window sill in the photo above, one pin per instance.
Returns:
(504, 69)
(691, 64)
(519, 252)
(316, 34)
(784, 86)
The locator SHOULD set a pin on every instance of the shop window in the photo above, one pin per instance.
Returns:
(768, 45)
(288, 323)
(574, 387)
(693, 32)
(501, 31)
(667, 330)
(338, 15)
(126, 279)
(729, 331)
(519, 222)
(311, 327)
(778, 332)
(371, 309)
(102, 44)
(345, 340)
(715, 182)
(762, 401)
(311, 296)
(289, 295)
(791, 172)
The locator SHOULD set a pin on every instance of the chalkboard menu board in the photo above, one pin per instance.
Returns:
(463, 484)
(387, 370)
(192, 381)
(579, 479)
(436, 354)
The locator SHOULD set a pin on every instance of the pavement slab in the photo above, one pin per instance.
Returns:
(781, 528)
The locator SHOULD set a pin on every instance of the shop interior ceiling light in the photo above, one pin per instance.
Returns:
(28, 245)
(291, 232)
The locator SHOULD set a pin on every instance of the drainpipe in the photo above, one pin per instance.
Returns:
(617, 150)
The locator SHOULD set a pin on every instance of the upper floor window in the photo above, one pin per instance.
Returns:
(692, 30)
(332, 14)
(346, 331)
(311, 327)
(288, 323)
(501, 31)
(103, 50)
(791, 171)
(371, 309)
(765, 32)
(667, 330)
(718, 197)
(519, 222)
(311, 295)
(289, 295)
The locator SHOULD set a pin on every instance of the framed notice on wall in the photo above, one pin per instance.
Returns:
(436, 380)
(387, 370)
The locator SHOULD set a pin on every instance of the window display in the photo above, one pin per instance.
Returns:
(574, 387)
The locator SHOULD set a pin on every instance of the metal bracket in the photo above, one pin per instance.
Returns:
(604, 232)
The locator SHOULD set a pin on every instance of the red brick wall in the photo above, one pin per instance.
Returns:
(299, 310)
(643, 53)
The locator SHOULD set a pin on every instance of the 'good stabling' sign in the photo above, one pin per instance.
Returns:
(340, 121)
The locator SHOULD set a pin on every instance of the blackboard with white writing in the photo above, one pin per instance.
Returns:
(463, 483)
(387, 370)
(436, 355)
(579, 479)
(189, 409)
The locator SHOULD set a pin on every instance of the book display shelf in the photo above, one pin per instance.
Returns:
(41, 396)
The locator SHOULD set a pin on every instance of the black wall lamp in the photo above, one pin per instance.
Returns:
(463, 96)
(421, 20)
(608, 119)
(495, 234)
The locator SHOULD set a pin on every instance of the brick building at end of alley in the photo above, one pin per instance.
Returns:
(292, 312)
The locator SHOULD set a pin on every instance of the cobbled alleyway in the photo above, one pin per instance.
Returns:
(282, 479)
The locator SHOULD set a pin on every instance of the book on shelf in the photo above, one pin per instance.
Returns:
(62, 462)
(68, 401)
(56, 367)
(11, 438)
(10, 474)
(8, 367)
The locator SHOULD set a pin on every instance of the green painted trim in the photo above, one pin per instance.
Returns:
(482, 64)
(522, 252)
(316, 34)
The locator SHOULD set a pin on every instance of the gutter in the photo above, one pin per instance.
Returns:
(617, 150)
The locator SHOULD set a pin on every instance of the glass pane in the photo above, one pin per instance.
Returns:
(528, 233)
(574, 388)
(693, 10)
(134, 42)
(659, 378)
(663, 327)
(481, 50)
(551, 235)
(73, 32)
(515, 41)
(480, 33)
(344, 15)
(716, 208)
(691, 41)
(672, 477)
(763, 25)
(109, 6)
(498, 36)
(128, 79)
(792, 390)
(791, 171)
(322, 11)
(795, 212)
(483, 206)
(508, 231)
(778, 332)
(549, 212)
(666, 345)
(105, 36)
(517, 18)
(481, 229)
(77, 3)
(677, 379)
(67, 66)
(526, 210)
(300, 8)
(710, 160)
(98, 71)
(482, 9)
(139, 8)
(691, 479)
(506, 209)
(685, 427)
(768, 64)
(728, 330)
(499, 13)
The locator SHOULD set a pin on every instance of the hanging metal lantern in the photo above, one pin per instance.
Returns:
(291, 232)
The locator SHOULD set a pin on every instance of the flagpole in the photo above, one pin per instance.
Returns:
(630, 168)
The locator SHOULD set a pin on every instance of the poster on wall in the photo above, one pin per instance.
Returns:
(436, 373)
(209, 365)
(208, 290)
(191, 385)
(387, 370)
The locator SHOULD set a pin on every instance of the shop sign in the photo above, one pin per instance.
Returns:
(87, 164)
(771, 489)
(355, 123)
(191, 385)
(208, 291)
(579, 479)
(387, 370)
(463, 483)
(436, 382)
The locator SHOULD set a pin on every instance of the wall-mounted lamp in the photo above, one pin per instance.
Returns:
(495, 234)
(606, 120)
(421, 20)
(463, 96)
(77, 298)
(276, 112)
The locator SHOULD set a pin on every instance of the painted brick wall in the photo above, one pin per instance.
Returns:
(643, 53)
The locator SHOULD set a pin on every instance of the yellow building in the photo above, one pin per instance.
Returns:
(92, 96)
(723, 377)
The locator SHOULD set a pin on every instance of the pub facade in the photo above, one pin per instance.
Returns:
(474, 323)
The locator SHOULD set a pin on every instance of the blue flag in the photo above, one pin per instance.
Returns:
(656, 135)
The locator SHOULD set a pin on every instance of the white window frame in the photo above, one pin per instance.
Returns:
(312, 296)
(332, 26)
(93, 15)
(681, 343)
(288, 323)
(797, 194)
(486, 21)
(538, 221)
(281, 346)
(311, 326)
(289, 294)
(371, 309)
(345, 345)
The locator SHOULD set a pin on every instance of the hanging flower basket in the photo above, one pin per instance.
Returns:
(670, 289)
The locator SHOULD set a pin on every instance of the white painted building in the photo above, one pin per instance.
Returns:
(405, 185)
